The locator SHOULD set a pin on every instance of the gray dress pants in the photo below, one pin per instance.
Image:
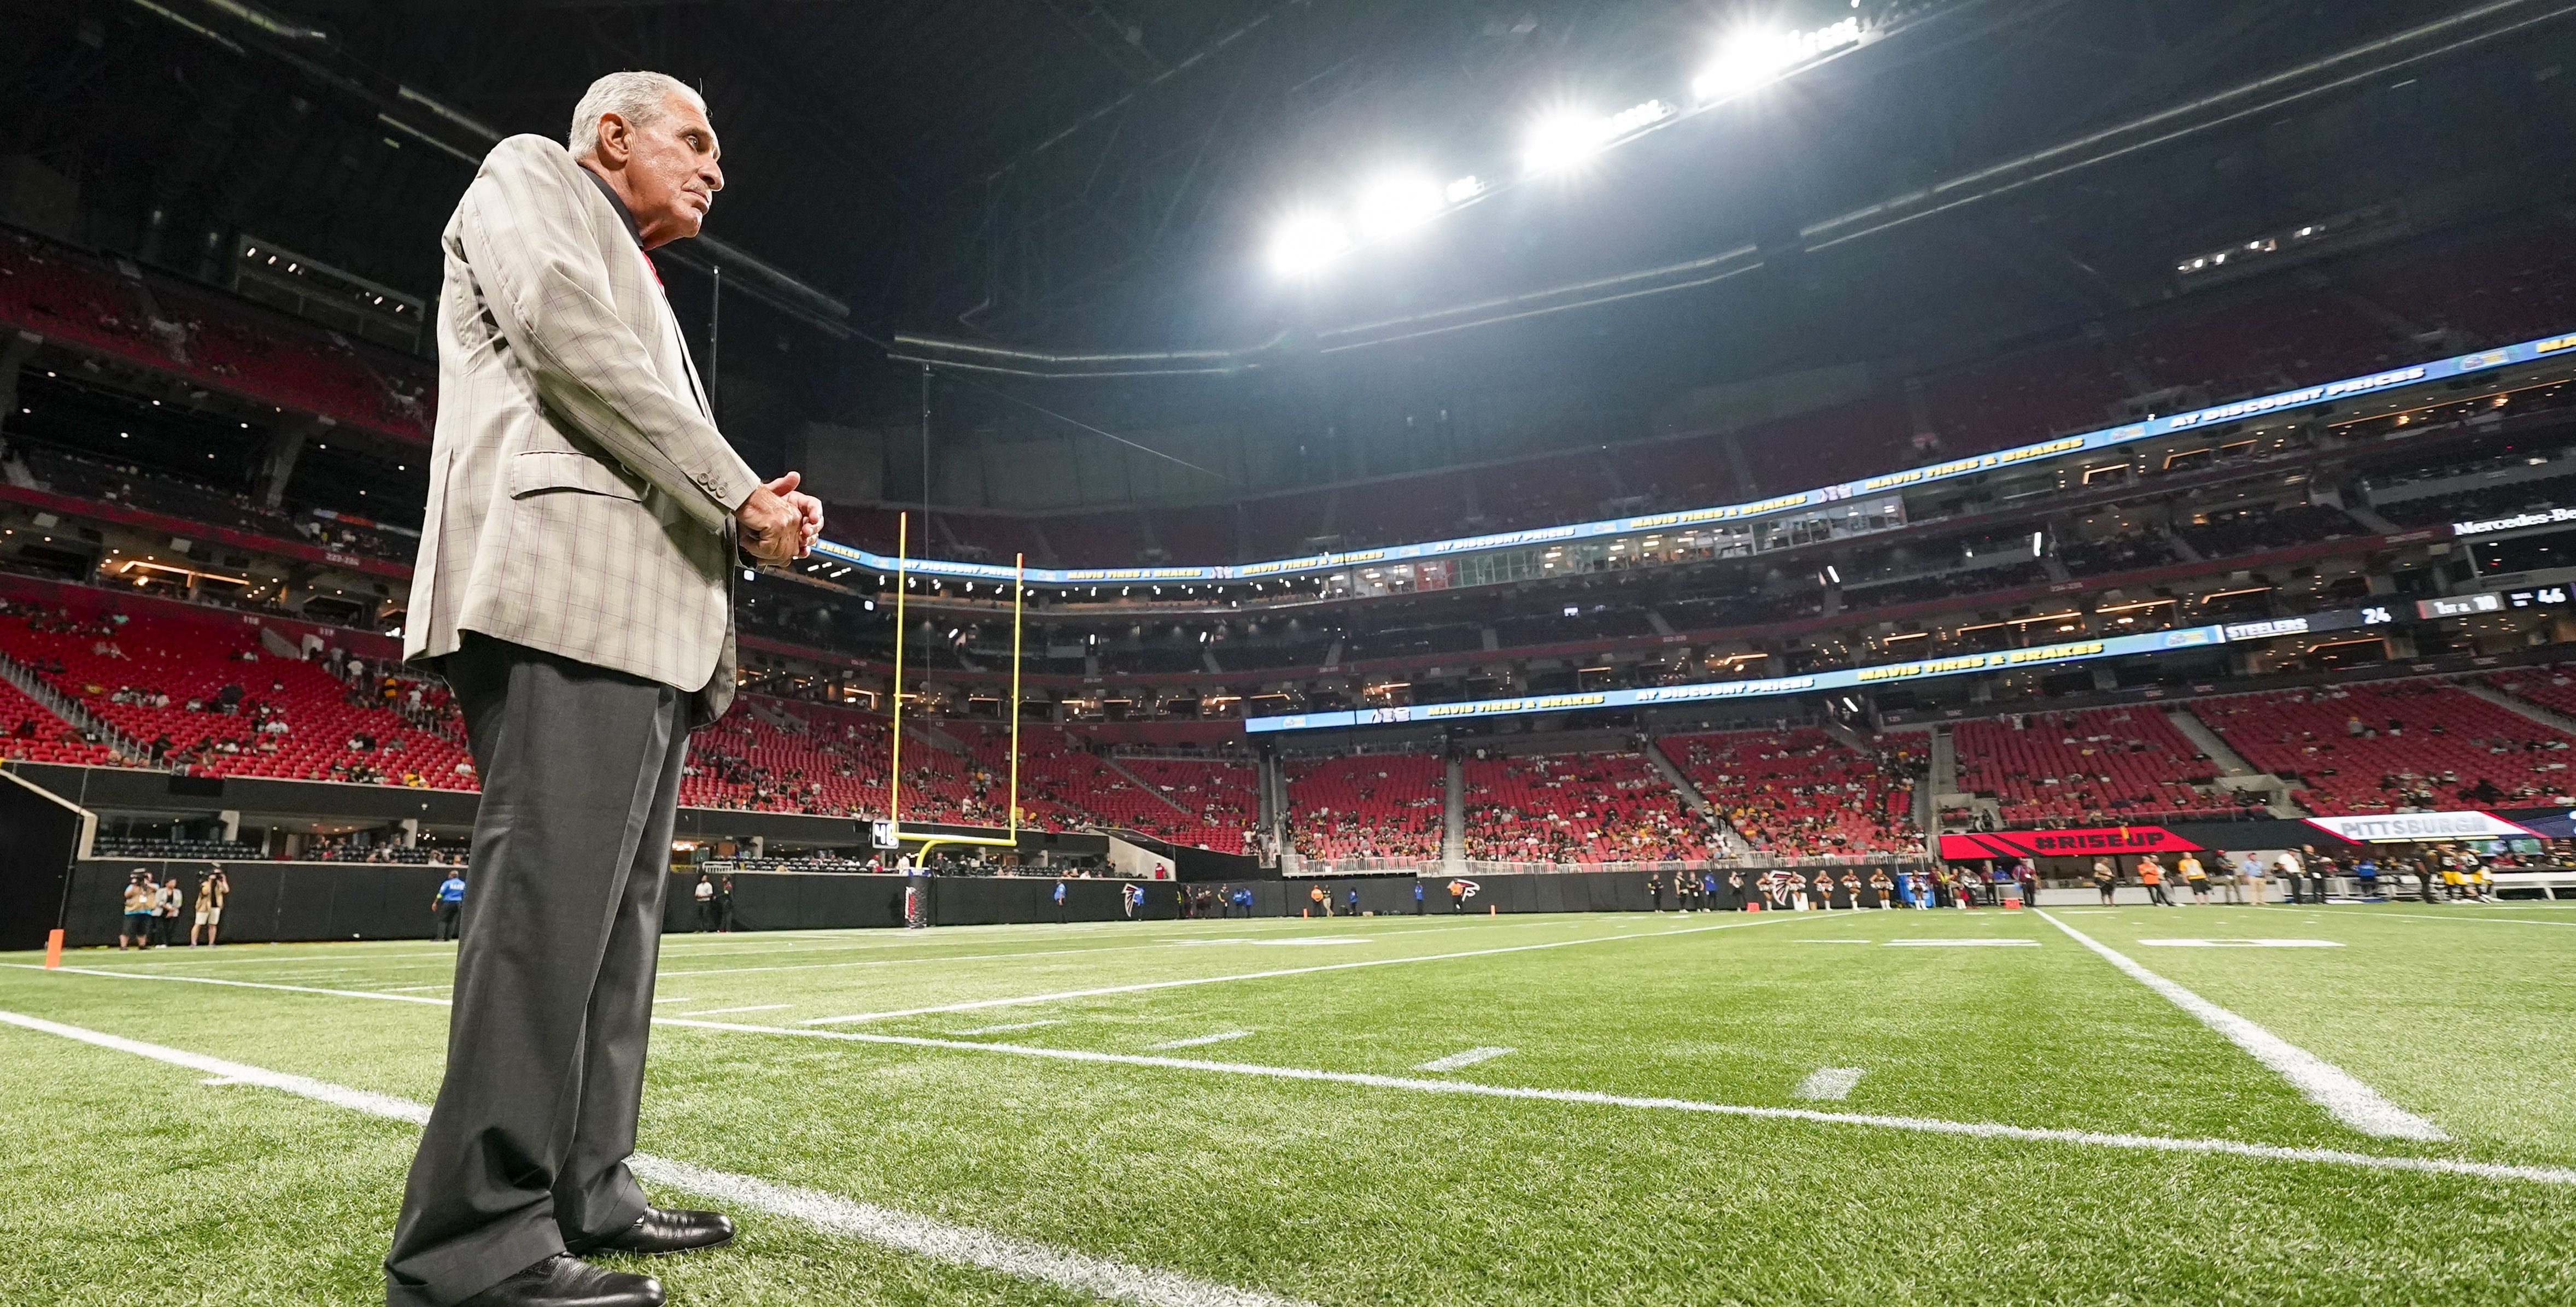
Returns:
(525, 1152)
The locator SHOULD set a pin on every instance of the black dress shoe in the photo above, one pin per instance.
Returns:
(564, 1280)
(663, 1230)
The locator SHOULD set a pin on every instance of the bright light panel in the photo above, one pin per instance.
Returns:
(1396, 202)
(1306, 242)
(1564, 138)
(1755, 56)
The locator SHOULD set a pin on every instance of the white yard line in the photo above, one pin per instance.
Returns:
(1833, 1082)
(1470, 1057)
(2555, 1175)
(960, 1245)
(1015, 1025)
(1963, 943)
(728, 1011)
(1195, 1041)
(1016, 1000)
(2323, 1083)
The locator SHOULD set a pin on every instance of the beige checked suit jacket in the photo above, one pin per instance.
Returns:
(580, 497)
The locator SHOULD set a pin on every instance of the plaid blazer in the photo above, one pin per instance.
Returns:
(580, 497)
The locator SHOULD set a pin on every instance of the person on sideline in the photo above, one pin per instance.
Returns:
(448, 906)
(1882, 887)
(2287, 866)
(174, 900)
(724, 905)
(1417, 896)
(705, 893)
(1062, 887)
(1323, 902)
(2251, 871)
(585, 528)
(2194, 879)
(2105, 878)
(210, 905)
(2151, 874)
(142, 898)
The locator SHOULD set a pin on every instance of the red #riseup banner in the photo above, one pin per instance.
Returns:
(2065, 843)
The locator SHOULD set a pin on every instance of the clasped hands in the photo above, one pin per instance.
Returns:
(779, 522)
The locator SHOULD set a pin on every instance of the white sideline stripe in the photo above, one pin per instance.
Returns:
(920, 1235)
(2321, 1082)
(675, 999)
(1015, 1025)
(1469, 1057)
(2556, 1175)
(1100, 1277)
(2492, 921)
(756, 1007)
(1963, 943)
(1833, 941)
(1196, 1040)
(237, 984)
(1249, 975)
(1834, 1082)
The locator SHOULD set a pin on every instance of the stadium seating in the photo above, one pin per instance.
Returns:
(81, 477)
(57, 292)
(1802, 793)
(30, 732)
(2075, 768)
(1576, 807)
(1370, 806)
(2021, 397)
(2261, 344)
(254, 712)
(1222, 794)
(2552, 687)
(2397, 744)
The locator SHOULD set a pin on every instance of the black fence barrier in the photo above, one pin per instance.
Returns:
(269, 901)
(283, 901)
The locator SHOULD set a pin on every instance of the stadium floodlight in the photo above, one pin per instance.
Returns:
(1755, 56)
(1306, 242)
(1395, 203)
(1569, 137)
(1464, 189)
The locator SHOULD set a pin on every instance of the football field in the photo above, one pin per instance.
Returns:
(2350, 1104)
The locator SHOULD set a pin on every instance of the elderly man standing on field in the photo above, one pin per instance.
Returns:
(584, 525)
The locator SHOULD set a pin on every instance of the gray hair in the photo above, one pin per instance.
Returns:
(634, 96)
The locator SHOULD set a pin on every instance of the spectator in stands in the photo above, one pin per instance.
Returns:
(573, 431)
(447, 905)
(210, 904)
(142, 899)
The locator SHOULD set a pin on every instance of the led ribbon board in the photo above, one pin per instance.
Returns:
(1662, 696)
(2216, 415)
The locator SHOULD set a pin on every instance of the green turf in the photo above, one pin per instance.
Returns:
(133, 1182)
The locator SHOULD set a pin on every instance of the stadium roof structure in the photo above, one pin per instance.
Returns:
(1078, 177)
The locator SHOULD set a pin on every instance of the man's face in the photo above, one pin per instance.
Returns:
(669, 168)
